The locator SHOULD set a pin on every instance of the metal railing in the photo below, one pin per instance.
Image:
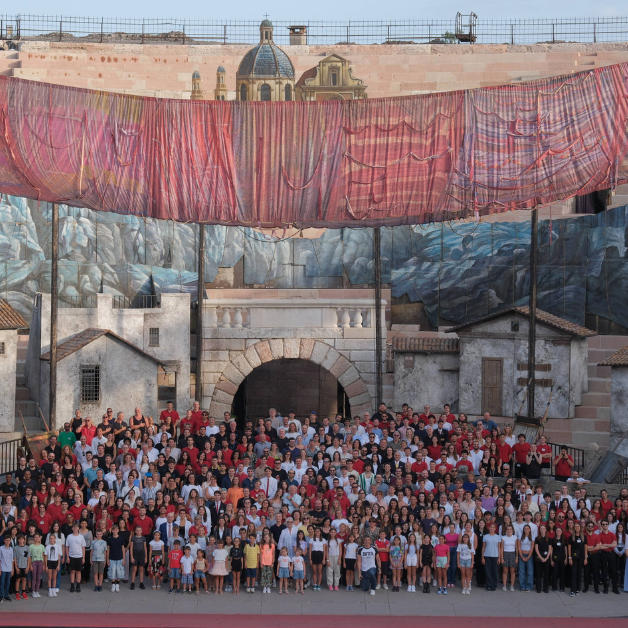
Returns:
(139, 302)
(576, 453)
(9, 455)
(180, 31)
(623, 478)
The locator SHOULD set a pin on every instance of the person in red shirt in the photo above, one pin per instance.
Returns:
(55, 509)
(187, 421)
(174, 563)
(521, 450)
(426, 415)
(197, 416)
(546, 453)
(191, 449)
(42, 519)
(87, 429)
(608, 567)
(504, 449)
(563, 464)
(420, 465)
(170, 413)
(144, 522)
(592, 568)
(605, 502)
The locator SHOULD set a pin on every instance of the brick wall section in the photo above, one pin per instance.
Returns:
(166, 70)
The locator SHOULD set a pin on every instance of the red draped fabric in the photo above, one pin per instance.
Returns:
(412, 159)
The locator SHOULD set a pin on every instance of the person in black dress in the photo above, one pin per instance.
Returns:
(542, 562)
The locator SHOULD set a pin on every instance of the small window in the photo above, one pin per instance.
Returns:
(90, 384)
(265, 92)
(288, 92)
(2, 348)
(514, 326)
(243, 94)
(334, 79)
(153, 337)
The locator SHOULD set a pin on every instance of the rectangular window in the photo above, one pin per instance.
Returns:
(334, 79)
(90, 384)
(153, 337)
(2, 348)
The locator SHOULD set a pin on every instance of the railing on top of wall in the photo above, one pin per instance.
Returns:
(180, 31)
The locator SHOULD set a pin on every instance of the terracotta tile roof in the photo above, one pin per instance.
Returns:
(308, 74)
(425, 345)
(619, 358)
(541, 316)
(10, 318)
(82, 339)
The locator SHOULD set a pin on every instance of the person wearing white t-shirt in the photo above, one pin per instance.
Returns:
(75, 555)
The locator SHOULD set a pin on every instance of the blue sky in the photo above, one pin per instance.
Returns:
(345, 10)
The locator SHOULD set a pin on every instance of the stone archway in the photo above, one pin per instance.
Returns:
(289, 348)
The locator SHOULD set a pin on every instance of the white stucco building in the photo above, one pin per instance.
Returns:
(10, 322)
(161, 333)
(493, 372)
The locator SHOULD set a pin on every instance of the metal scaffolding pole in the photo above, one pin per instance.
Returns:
(198, 389)
(54, 305)
(378, 312)
(534, 231)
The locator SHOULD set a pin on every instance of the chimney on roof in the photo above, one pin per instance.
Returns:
(298, 35)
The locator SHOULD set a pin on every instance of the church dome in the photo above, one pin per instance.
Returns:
(266, 60)
(196, 74)
(221, 69)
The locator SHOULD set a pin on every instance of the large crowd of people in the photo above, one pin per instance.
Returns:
(411, 501)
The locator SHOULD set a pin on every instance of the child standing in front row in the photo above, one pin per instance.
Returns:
(174, 560)
(348, 561)
(298, 570)
(426, 558)
(20, 553)
(284, 569)
(200, 567)
(465, 562)
(219, 570)
(187, 564)
(441, 562)
(36, 563)
(251, 561)
(6, 567)
(54, 552)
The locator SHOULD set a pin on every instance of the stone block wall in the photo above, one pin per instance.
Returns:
(166, 70)
(228, 360)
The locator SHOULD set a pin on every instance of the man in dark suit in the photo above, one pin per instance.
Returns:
(217, 508)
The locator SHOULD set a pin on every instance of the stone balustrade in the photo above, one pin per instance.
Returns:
(298, 313)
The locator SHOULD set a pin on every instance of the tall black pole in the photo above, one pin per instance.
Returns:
(378, 311)
(532, 303)
(199, 315)
(54, 304)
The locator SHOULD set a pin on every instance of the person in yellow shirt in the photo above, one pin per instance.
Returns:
(251, 563)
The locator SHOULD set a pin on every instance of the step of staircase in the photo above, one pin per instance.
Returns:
(33, 424)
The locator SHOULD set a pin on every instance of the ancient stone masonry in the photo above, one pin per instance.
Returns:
(328, 328)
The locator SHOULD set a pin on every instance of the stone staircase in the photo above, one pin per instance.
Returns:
(23, 400)
(592, 421)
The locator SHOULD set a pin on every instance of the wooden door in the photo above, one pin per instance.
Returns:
(492, 378)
